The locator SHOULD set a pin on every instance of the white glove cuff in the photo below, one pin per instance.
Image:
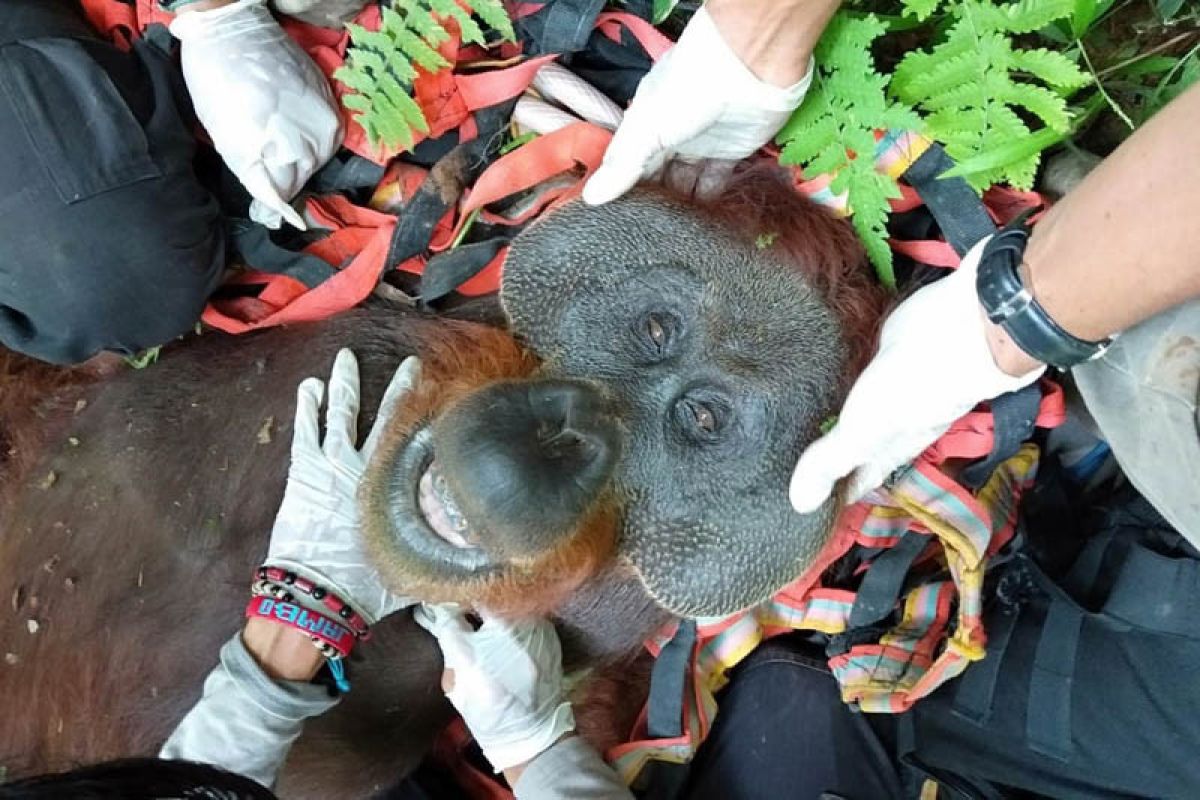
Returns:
(503, 755)
(704, 40)
(229, 20)
(324, 582)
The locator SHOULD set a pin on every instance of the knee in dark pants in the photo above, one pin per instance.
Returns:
(107, 239)
(145, 296)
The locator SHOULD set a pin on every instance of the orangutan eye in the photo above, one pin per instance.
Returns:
(656, 331)
(699, 418)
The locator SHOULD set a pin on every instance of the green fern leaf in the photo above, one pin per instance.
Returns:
(921, 9)
(833, 132)
(382, 65)
(368, 61)
(823, 133)
(1045, 104)
(941, 76)
(1051, 68)
(495, 17)
(1023, 16)
(420, 20)
(373, 40)
(357, 102)
(421, 53)
(360, 82)
(402, 104)
(468, 28)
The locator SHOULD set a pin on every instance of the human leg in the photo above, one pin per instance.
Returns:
(783, 731)
(107, 240)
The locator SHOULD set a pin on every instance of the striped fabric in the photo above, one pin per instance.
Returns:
(939, 631)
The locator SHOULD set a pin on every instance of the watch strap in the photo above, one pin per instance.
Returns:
(1010, 304)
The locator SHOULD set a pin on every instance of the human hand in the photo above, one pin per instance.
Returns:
(506, 681)
(269, 110)
(936, 360)
(704, 100)
(316, 532)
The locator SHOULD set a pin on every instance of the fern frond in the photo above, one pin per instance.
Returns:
(1051, 68)
(833, 132)
(1024, 16)
(972, 84)
(921, 9)
(381, 65)
(495, 17)
(1049, 107)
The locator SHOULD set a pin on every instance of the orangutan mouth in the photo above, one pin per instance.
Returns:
(426, 519)
(441, 510)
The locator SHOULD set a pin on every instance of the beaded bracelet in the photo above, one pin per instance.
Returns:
(332, 639)
(284, 581)
(278, 591)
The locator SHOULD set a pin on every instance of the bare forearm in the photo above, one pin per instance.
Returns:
(774, 38)
(1124, 244)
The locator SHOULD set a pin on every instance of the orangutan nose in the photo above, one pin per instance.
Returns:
(571, 426)
(527, 460)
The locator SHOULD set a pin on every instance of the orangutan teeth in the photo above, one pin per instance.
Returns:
(440, 510)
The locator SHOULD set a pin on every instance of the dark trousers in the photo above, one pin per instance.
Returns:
(784, 732)
(107, 239)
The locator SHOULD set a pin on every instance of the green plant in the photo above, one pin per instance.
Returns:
(833, 132)
(381, 65)
(975, 85)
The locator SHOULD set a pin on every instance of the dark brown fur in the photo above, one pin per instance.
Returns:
(133, 564)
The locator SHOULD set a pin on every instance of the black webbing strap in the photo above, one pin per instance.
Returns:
(1157, 594)
(561, 26)
(448, 270)
(664, 713)
(440, 190)
(977, 685)
(344, 172)
(253, 244)
(1013, 418)
(951, 786)
(958, 210)
(881, 586)
(668, 683)
(1048, 710)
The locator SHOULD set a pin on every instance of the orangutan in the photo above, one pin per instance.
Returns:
(617, 455)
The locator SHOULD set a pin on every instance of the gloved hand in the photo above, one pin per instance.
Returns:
(269, 110)
(933, 365)
(699, 101)
(507, 682)
(316, 532)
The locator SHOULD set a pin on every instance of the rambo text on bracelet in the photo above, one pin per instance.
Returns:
(1010, 304)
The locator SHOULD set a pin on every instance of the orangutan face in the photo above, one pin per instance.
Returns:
(681, 370)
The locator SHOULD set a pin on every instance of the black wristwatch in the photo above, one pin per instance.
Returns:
(1011, 305)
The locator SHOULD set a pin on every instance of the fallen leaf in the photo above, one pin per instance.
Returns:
(32, 625)
(11, 659)
(48, 481)
(264, 432)
(18, 598)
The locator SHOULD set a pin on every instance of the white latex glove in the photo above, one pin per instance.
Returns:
(269, 110)
(507, 682)
(698, 101)
(933, 366)
(316, 532)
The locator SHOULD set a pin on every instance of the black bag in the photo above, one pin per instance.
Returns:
(1089, 688)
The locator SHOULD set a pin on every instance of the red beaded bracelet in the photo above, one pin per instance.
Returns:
(322, 630)
(287, 581)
